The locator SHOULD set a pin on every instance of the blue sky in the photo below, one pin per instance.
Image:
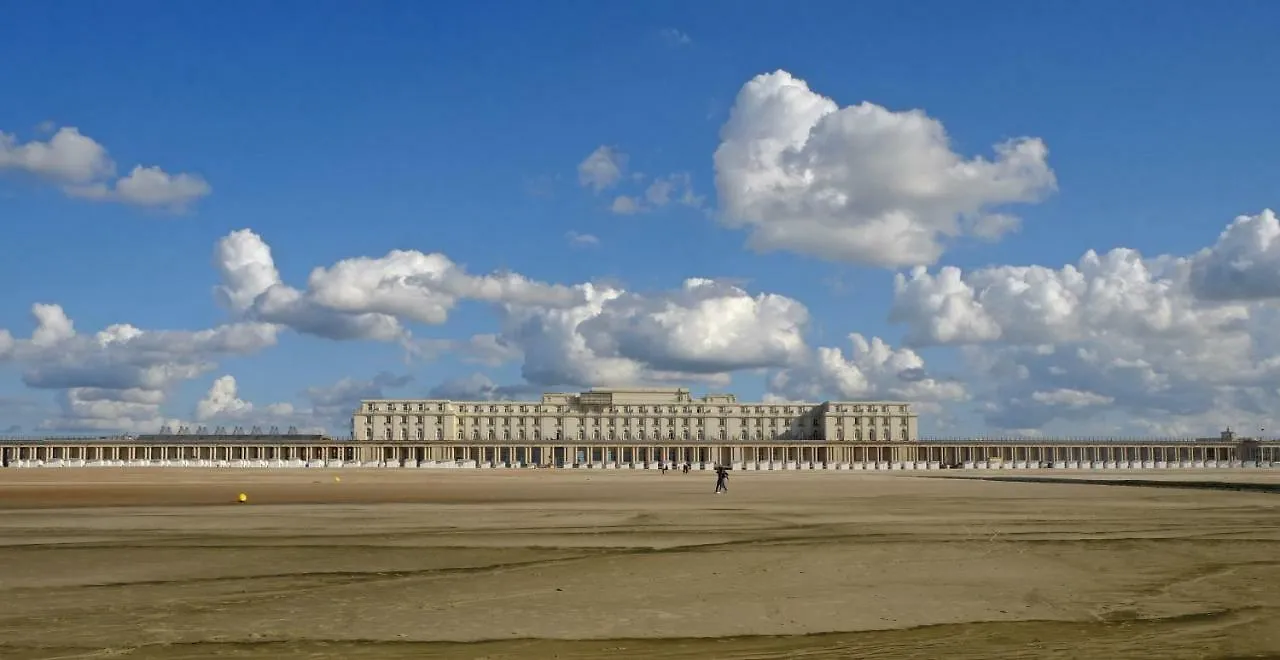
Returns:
(337, 130)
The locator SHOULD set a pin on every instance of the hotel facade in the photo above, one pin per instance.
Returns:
(631, 415)
(632, 425)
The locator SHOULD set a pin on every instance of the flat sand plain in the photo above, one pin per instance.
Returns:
(163, 564)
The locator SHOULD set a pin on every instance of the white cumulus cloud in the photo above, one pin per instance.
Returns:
(1166, 343)
(84, 169)
(118, 378)
(362, 297)
(862, 183)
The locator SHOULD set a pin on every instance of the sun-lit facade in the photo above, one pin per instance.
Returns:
(632, 415)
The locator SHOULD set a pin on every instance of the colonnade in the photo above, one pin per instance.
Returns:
(930, 454)
(130, 453)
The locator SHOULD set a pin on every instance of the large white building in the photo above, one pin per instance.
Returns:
(631, 415)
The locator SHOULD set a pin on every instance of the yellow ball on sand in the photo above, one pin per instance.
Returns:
(337, 478)
(243, 498)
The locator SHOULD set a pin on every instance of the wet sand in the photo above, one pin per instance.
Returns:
(158, 563)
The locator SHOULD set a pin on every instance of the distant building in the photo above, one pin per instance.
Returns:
(632, 415)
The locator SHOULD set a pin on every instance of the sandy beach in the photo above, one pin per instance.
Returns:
(574, 564)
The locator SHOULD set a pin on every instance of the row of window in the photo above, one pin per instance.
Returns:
(634, 421)
(628, 410)
(641, 436)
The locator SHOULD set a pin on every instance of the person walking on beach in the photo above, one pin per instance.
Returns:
(722, 480)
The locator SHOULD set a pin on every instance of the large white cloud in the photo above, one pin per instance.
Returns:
(583, 334)
(67, 157)
(1174, 343)
(84, 169)
(705, 326)
(701, 332)
(1116, 294)
(862, 183)
(223, 401)
(1244, 264)
(363, 297)
(873, 370)
(118, 377)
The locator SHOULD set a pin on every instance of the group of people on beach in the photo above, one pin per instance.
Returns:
(722, 475)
